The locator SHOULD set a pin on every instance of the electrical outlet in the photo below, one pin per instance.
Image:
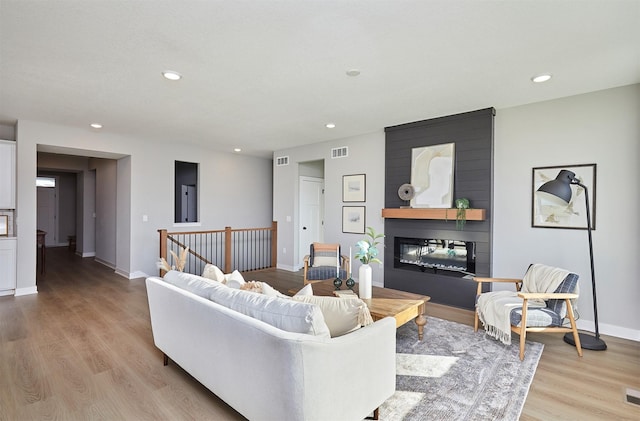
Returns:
(284, 250)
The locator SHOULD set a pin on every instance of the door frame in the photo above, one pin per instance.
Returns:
(302, 247)
(56, 210)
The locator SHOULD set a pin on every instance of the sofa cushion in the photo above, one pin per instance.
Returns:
(282, 313)
(342, 315)
(213, 272)
(192, 283)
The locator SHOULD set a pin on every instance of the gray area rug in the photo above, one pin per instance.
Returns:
(456, 374)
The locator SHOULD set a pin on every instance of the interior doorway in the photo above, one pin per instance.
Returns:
(310, 207)
(47, 213)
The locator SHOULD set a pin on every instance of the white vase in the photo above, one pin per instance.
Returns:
(364, 281)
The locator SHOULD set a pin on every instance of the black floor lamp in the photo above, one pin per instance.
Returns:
(560, 188)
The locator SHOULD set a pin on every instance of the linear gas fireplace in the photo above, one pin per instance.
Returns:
(445, 257)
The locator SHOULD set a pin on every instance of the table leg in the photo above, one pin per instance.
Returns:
(421, 321)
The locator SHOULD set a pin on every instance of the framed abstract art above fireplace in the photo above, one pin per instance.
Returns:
(432, 176)
(545, 214)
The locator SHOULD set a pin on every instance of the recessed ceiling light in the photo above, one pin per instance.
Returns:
(171, 75)
(353, 72)
(96, 125)
(237, 150)
(330, 125)
(541, 78)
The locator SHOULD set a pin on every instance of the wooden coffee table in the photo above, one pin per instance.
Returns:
(403, 306)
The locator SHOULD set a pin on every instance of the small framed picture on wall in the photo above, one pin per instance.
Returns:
(354, 188)
(353, 219)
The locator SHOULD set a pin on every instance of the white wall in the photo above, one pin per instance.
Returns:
(600, 127)
(235, 190)
(366, 156)
(106, 217)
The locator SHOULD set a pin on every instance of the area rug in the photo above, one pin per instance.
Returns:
(458, 374)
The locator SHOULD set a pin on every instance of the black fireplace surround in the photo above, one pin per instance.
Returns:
(444, 276)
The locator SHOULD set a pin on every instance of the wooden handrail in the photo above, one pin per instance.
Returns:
(225, 240)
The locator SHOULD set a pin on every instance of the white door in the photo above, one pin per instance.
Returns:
(311, 209)
(47, 214)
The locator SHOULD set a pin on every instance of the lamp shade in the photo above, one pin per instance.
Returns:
(558, 190)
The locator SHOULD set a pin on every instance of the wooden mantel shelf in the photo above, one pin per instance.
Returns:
(432, 213)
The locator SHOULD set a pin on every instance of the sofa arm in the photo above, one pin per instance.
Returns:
(353, 374)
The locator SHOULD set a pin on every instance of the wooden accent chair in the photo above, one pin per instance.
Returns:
(322, 261)
(530, 310)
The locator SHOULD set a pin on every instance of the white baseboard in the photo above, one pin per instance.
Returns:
(286, 267)
(7, 292)
(87, 254)
(611, 330)
(104, 262)
(26, 291)
(133, 275)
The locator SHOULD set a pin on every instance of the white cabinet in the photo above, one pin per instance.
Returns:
(7, 174)
(7, 265)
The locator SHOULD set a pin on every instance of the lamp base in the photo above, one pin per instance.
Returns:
(586, 342)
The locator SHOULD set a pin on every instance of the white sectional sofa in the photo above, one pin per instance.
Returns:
(264, 372)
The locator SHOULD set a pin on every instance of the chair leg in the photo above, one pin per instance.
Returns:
(523, 329)
(475, 321)
(574, 328)
(475, 318)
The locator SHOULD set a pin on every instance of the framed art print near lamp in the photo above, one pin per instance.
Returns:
(559, 190)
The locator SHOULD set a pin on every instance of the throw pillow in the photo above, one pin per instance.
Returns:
(307, 290)
(342, 315)
(213, 272)
(262, 288)
(252, 286)
(324, 254)
(234, 279)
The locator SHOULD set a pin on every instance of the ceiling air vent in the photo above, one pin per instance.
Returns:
(340, 152)
(282, 160)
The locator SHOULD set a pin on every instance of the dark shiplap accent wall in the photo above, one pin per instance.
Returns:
(472, 134)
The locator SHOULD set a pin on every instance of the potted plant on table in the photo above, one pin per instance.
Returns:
(367, 253)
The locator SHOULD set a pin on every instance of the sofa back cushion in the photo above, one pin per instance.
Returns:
(193, 283)
(282, 313)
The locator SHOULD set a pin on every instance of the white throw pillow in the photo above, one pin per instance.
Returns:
(270, 291)
(342, 315)
(281, 313)
(213, 272)
(192, 283)
(307, 290)
(234, 279)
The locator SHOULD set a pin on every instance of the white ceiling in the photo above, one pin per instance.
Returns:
(265, 75)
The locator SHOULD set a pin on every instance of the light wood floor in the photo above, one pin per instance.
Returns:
(81, 349)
